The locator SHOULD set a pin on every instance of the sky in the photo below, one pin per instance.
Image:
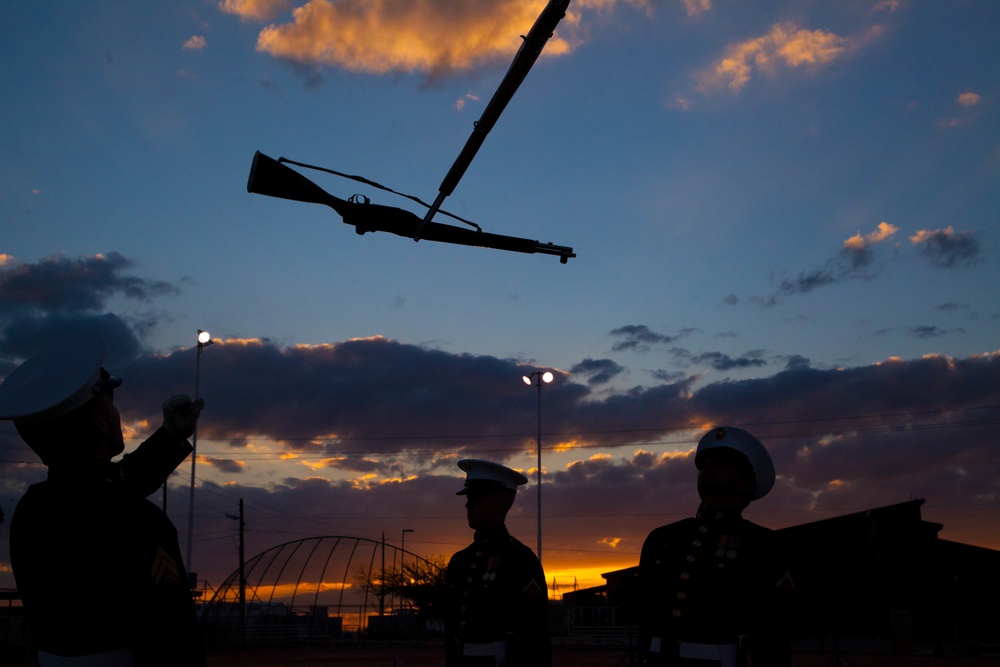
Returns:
(786, 217)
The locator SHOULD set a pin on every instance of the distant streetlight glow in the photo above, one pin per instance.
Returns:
(541, 377)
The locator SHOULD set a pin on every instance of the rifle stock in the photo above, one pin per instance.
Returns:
(270, 177)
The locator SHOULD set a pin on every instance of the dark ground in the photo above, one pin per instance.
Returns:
(409, 655)
(430, 655)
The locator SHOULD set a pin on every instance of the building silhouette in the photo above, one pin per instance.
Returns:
(878, 580)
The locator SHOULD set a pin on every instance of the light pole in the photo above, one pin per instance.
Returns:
(402, 559)
(204, 340)
(540, 377)
(243, 579)
(403, 548)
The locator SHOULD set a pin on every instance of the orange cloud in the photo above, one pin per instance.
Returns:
(405, 35)
(460, 103)
(924, 235)
(134, 430)
(881, 233)
(969, 99)
(321, 463)
(195, 43)
(254, 10)
(886, 6)
(567, 445)
(240, 342)
(785, 45)
(695, 7)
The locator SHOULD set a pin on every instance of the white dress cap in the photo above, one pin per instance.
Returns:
(749, 446)
(478, 471)
(56, 380)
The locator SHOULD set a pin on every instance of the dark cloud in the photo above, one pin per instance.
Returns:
(951, 307)
(373, 394)
(855, 261)
(851, 263)
(600, 371)
(923, 332)
(381, 397)
(61, 285)
(668, 376)
(893, 387)
(639, 337)
(947, 249)
(929, 331)
(23, 335)
(796, 362)
(363, 465)
(719, 361)
(723, 362)
(765, 301)
(58, 297)
(223, 465)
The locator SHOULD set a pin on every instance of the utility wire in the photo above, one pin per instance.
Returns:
(409, 451)
(620, 431)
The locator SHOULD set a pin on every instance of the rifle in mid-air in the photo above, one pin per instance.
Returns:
(275, 179)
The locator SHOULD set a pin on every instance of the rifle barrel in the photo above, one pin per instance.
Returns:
(525, 57)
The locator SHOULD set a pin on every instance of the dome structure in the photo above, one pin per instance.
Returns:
(325, 588)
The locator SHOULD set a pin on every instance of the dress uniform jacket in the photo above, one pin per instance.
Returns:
(713, 590)
(99, 567)
(497, 605)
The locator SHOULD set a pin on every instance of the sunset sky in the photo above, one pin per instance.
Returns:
(786, 217)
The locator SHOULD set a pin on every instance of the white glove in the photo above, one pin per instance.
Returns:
(180, 414)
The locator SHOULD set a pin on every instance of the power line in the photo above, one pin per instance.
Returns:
(410, 451)
(595, 432)
(652, 443)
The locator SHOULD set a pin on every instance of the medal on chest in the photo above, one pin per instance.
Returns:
(492, 565)
(727, 546)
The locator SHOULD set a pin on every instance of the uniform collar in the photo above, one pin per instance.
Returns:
(492, 535)
(86, 470)
(719, 516)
